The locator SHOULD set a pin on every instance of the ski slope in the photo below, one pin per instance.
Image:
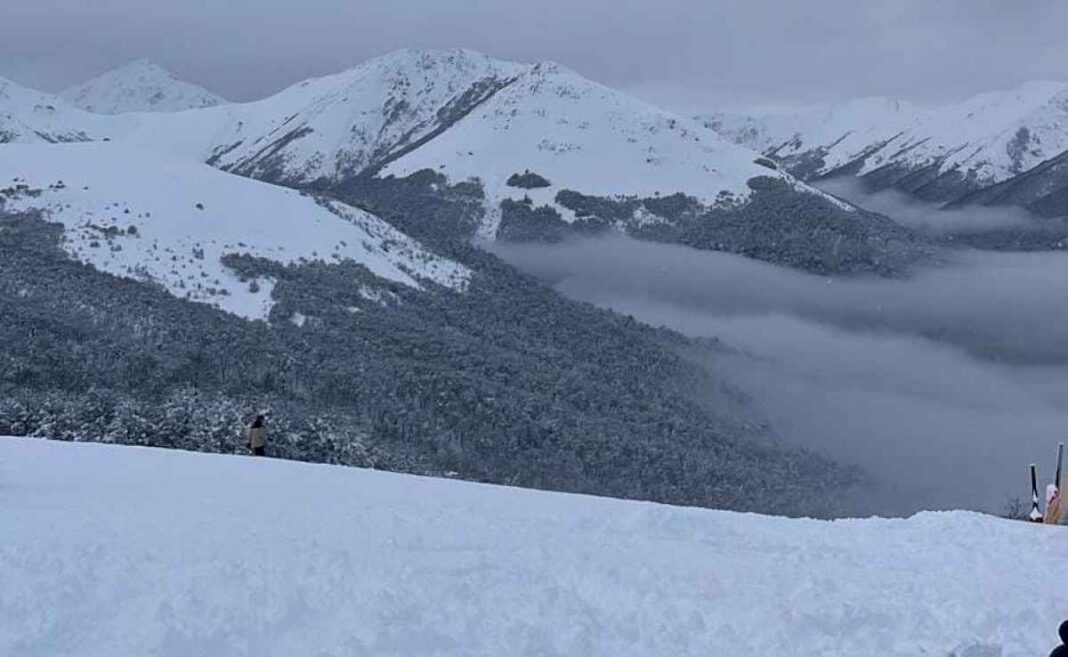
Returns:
(135, 213)
(112, 550)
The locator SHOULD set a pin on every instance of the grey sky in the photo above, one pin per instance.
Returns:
(683, 54)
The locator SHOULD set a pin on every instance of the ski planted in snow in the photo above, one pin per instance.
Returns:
(1054, 499)
(1036, 513)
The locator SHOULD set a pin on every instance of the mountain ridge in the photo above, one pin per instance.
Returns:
(139, 86)
(948, 154)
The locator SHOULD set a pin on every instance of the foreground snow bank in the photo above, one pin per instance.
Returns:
(119, 550)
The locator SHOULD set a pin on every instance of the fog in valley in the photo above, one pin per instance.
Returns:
(943, 386)
(927, 217)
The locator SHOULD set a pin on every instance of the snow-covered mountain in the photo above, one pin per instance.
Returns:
(139, 86)
(28, 116)
(342, 125)
(594, 158)
(169, 221)
(984, 140)
(582, 136)
(944, 154)
(168, 552)
(540, 152)
(817, 139)
(467, 116)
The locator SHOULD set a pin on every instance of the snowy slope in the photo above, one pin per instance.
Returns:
(28, 116)
(133, 551)
(991, 136)
(135, 213)
(586, 137)
(338, 125)
(839, 132)
(139, 86)
(987, 139)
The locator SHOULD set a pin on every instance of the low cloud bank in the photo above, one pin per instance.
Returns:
(943, 386)
(927, 217)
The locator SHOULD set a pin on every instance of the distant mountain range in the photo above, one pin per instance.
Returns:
(514, 151)
(997, 148)
(171, 263)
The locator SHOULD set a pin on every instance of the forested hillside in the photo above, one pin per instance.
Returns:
(506, 382)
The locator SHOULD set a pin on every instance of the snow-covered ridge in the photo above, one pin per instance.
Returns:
(461, 113)
(470, 116)
(167, 220)
(987, 138)
(139, 86)
(582, 136)
(466, 116)
(991, 136)
(159, 552)
(844, 130)
(338, 125)
(28, 116)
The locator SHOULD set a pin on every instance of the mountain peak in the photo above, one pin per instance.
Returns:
(430, 55)
(454, 62)
(139, 86)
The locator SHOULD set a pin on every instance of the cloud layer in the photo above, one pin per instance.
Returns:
(943, 386)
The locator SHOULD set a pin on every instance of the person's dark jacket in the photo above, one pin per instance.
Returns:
(1061, 650)
(257, 434)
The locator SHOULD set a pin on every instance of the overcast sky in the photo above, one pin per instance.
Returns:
(684, 54)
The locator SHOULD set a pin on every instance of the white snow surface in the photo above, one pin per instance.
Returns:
(845, 130)
(991, 136)
(113, 550)
(976, 136)
(140, 86)
(107, 188)
(29, 116)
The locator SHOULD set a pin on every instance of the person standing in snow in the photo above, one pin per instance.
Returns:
(257, 437)
(1062, 650)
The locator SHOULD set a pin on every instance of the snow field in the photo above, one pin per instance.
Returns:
(117, 550)
(134, 213)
